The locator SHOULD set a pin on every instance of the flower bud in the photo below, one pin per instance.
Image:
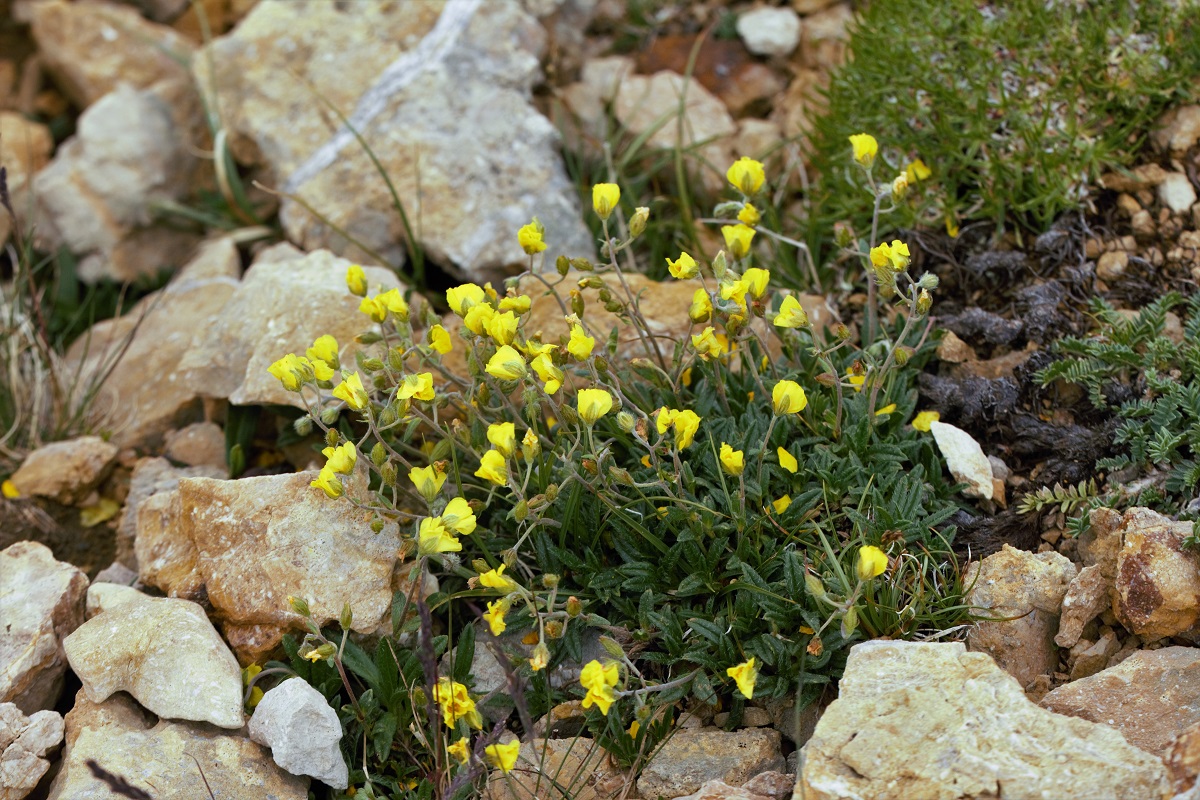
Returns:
(303, 426)
(637, 223)
(376, 525)
(613, 307)
(387, 417)
(299, 605)
(554, 629)
(531, 445)
(388, 473)
(581, 264)
(827, 379)
(843, 235)
(550, 580)
(903, 354)
(374, 364)
(842, 331)
(552, 493)
(569, 415)
(574, 607)
(378, 454)
(346, 618)
(540, 656)
(612, 647)
(370, 337)
(521, 511)
(332, 437)
(441, 450)
(814, 585)
(329, 416)
(576, 304)
(928, 281)
(591, 467)
(620, 475)
(605, 295)
(326, 650)
(562, 265)
(924, 302)
(719, 265)
(626, 421)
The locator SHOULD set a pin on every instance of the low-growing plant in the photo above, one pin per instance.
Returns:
(723, 510)
(1130, 367)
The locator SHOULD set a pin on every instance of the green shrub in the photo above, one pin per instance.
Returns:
(1017, 107)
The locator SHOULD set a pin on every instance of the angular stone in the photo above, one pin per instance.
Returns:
(577, 768)
(769, 31)
(1176, 192)
(1089, 660)
(198, 444)
(1182, 759)
(91, 48)
(24, 744)
(157, 759)
(1150, 697)
(1178, 130)
(66, 472)
(801, 104)
(443, 101)
(25, 148)
(151, 476)
(285, 301)
(97, 197)
(823, 43)
(691, 758)
(1029, 587)
(165, 653)
(297, 723)
(765, 786)
(1100, 544)
(1086, 597)
(41, 602)
(932, 720)
(964, 458)
(1157, 584)
(103, 597)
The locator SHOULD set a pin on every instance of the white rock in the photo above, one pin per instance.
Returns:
(24, 743)
(41, 602)
(1178, 130)
(1176, 192)
(965, 459)
(25, 148)
(296, 722)
(770, 31)
(165, 653)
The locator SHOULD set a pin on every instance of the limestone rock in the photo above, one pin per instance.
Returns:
(41, 602)
(1182, 759)
(765, 786)
(450, 120)
(801, 104)
(1150, 697)
(1145, 176)
(691, 758)
(811, 6)
(150, 477)
(285, 301)
(1016, 583)
(25, 148)
(103, 597)
(547, 767)
(1176, 192)
(1100, 544)
(769, 31)
(117, 735)
(757, 138)
(964, 458)
(1157, 585)
(823, 42)
(66, 472)
(1178, 130)
(198, 444)
(932, 720)
(1086, 597)
(1087, 658)
(24, 744)
(165, 653)
(97, 196)
(91, 48)
(642, 102)
(1112, 265)
(297, 723)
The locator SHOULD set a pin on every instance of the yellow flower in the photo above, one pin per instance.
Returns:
(664, 419)
(701, 308)
(458, 516)
(898, 255)
(439, 339)
(637, 223)
(495, 615)
(325, 350)
(502, 327)
(871, 562)
(292, 371)
(503, 756)
(737, 239)
(518, 304)
(865, 148)
(434, 538)
(540, 658)
(460, 751)
(531, 445)
(787, 460)
(552, 375)
(374, 308)
(456, 703)
(461, 298)
(507, 365)
(493, 467)
(646, 461)
(534, 348)
(888, 409)
(951, 225)
(686, 423)
(605, 197)
(496, 579)
(781, 505)
(356, 280)
(328, 482)
(503, 436)
(351, 390)
(530, 237)
(394, 302)
(756, 281)
(683, 267)
(477, 318)
(744, 674)
(580, 344)
(746, 175)
(732, 461)
(899, 186)
(685, 377)
(593, 404)
(787, 397)
(599, 681)
(857, 381)
(10, 490)
(428, 481)
(791, 314)
(749, 215)
(917, 171)
(730, 289)
(706, 343)
(419, 386)
(341, 459)
(881, 255)
(921, 421)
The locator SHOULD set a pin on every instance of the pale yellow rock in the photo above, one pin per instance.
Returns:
(1086, 597)
(575, 768)
(25, 148)
(66, 472)
(964, 458)
(1157, 584)
(691, 758)
(25, 742)
(198, 444)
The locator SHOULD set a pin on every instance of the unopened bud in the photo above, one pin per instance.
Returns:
(842, 331)
(924, 302)
(520, 511)
(827, 379)
(326, 650)
(346, 618)
(387, 417)
(329, 416)
(899, 187)
(378, 454)
(370, 337)
(388, 473)
(719, 265)
(626, 421)
(611, 647)
(590, 466)
(569, 415)
(843, 235)
(577, 305)
(332, 437)
(605, 295)
(903, 354)
(581, 264)
(303, 426)
(814, 585)
(440, 451)
(550, 580)
(928, 281)
(396, 359)
(554, 629)
(620, 475)
(574, 607)
(562, 265)
(299, 605)
(552, 493)
(637, 223)
(540, 656)
(376, 526)
(613, 307)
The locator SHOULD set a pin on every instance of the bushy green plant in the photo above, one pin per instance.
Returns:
(1151, 382)
(1017, 107)
(727, 508)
